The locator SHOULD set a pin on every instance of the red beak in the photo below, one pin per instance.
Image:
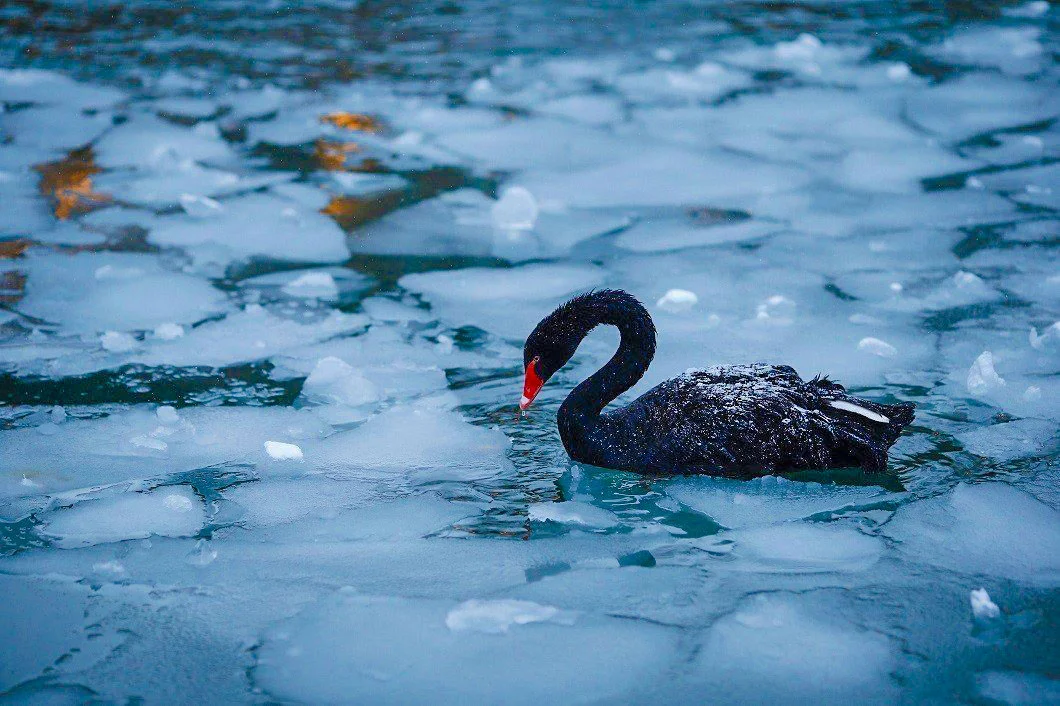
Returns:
(531, 385)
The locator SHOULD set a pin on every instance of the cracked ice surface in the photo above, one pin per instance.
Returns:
(262, 304)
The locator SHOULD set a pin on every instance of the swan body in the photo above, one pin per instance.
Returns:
(736, 421)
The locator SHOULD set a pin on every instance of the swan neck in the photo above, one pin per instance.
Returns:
(625, 368)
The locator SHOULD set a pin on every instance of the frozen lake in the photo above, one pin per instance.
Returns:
(265, 275)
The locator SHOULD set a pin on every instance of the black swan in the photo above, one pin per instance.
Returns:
(738, 421)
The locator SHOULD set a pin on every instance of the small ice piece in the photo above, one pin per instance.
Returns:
(1038, 8)
(664, 54)
(200, 206)
(171, 511)
(167, 415)
(804, 48)
(896, 287)
(856, 409)
(1033, 393)
(777, 309)
(112, 568)
(515, 210)
(1050, 333)
(110, 272)
(968, 280)
(445, 345)
(117, 342)
(982, 607)
(875, 346)
(899, 71)
(57, 414)
(168, 331)
(973, 183)
(334, 380)
(144, 441)
(677, 300)
(179, 503)
(282, 451)
(574, 513)
(313, 285)
(498, 616)
(982, 378)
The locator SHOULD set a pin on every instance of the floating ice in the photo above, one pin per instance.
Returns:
(773, 646)
(573, 513)
(769, 500)
(1021, 438)
(257, 224)
(317, 285)
(982, 607)
(392, 650)
(1017, 688)
(167, 415)
(169, 511)
(436, 445)
(982, 378)
(282, 451)
(117, 342)
(877, 347)
(498, 616)
(804, 548)
(136, 293)
(333, 380)
(677, 301)
(168, 331)
(516, 209)
(981, 529)
(200, 206)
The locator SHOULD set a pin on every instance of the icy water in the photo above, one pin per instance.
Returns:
(265, 273)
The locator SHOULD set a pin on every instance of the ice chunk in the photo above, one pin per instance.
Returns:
(167, 415)
(1017, 688)
(573, 513)
(769, 500)
(516, 209)
(803, 548)
(1048, 336)
(93, 292)
(443, 447)
(117, 342)
(771, 649)
(336, 381)
(396, 650)
(1020, 438)
(982, 607)
(990, 529)
(168, 331)
(677, 301)
(982, 378)
(252, 334)
(282, 451)
(660, 235)
(91, 452)
(877, 347)
(280, 228)
(200, 206)
(169, 511)
(149, 142)
(38, 86)
(498, 616)
(475, 295)
(665, 177)
(316, 285)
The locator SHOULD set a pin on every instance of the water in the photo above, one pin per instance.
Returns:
(332, 226)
